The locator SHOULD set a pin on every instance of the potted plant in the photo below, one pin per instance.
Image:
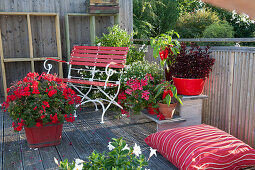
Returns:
(40, 104)
(168, 98)
(190, 69)
(166, 48)
(138, 82)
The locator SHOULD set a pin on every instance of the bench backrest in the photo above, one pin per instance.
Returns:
(99, 56)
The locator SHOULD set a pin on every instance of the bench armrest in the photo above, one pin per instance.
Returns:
(53, 59)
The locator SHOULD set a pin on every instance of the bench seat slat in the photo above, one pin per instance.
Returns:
(98, 56)
(86, 82)
(101, 48)
(74, 59)
(96, 64)
(99, 52)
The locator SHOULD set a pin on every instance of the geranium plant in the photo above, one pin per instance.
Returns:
(120, 157)
(164, 46)
(192, 63)
(37, 100)
(146, 75)
(137, 94)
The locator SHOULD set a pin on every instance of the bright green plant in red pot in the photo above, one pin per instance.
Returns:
(190, 69)
(41, 103)
(167, 99)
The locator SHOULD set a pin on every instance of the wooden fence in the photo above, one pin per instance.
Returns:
(15, 41)
(231, 91)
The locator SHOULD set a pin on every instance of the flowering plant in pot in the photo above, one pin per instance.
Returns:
(138, 82)
(190, 69)
(39, 103)
(167, 99)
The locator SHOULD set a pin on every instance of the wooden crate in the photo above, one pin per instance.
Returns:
(104, 2)
(103, 9)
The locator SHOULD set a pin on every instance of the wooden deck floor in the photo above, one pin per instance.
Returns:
(78, 141)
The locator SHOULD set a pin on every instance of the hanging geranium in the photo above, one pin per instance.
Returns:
(37, 100)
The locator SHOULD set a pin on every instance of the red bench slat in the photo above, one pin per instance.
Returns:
(98, 56)
(101, 48)
(74, 59)
(96, 64)
(86, 82)
(99, 52)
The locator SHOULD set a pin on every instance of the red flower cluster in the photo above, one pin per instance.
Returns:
(40, 99)
(18, 126)
(71, 118)
(136, 94)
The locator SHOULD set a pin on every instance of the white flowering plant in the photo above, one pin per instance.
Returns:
(120, 156)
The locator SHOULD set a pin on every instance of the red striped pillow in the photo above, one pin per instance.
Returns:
(202, 147)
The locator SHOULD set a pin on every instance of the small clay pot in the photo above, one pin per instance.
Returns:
(167, 111)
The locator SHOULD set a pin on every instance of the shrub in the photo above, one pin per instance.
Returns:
(192, 63)
(118, 37)
(192, 24)
(219, 30)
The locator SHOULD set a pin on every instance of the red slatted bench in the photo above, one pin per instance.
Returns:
(93, 61)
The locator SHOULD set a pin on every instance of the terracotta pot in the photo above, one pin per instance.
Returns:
(47, 135)
(189, 87)
(167, 111)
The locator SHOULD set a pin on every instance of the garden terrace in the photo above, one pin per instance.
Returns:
(78, 141)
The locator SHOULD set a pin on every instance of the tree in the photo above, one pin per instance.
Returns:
(154, 17)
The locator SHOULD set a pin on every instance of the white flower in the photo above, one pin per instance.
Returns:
(110, 146)
(78, 164)
(99, 44)
(55, 160)
(153, 152)
(78, 161)
(137, 150)
(126, 148)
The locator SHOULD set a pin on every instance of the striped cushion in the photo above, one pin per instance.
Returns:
(202, 147)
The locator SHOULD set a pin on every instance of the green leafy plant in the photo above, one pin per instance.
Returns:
(164, 45)
(192, 24)
(165, 92)
(219, 30)
(37, 100)
(154, 17)
(120, 157)
(118, 37)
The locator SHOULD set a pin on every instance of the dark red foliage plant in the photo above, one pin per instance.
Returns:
(192, 63)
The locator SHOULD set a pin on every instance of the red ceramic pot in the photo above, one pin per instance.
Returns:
(167, 111)
(189, 87)
(47, 135)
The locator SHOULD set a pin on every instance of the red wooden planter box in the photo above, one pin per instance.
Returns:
(47, 135)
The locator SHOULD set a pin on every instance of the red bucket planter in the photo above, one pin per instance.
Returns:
(47, 135)
(189, 87)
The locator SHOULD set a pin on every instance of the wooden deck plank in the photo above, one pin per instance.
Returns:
(81, 146)
(11, 156)
(47, 156)
(129, 133)
(66, 149)
(31, 157)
